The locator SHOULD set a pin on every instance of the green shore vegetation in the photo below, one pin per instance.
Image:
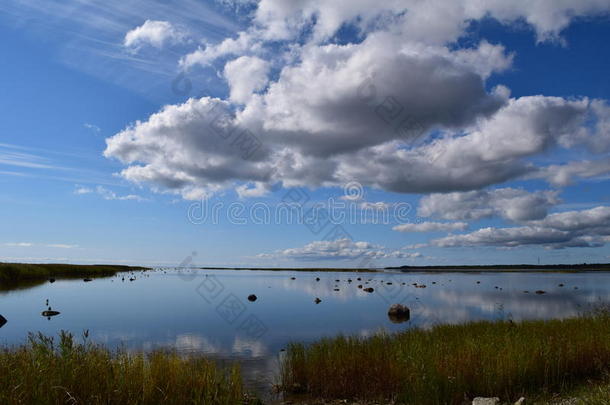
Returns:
(49, 372)
(16, 273)
(449, 364)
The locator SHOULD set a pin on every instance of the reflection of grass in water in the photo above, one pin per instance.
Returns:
(451, 362)
(15, 274)
(45, 372)
(19, 285)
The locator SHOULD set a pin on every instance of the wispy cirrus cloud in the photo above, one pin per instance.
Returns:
(108, 194)
(48, 245)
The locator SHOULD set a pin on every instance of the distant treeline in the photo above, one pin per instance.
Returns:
(321, 269)
(509, 267)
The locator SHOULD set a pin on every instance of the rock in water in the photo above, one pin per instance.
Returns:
(86, 280)
(51, 280)
(486, 401)
(369, 289)
(3, 321)
(251, 297)
(317, 300)
(399, 313)
(49, 314)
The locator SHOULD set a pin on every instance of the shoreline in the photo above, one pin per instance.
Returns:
(316, 373)
(15, 274)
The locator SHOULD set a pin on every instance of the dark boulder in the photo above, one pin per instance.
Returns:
(3, 321)
(51, 280)
(317, 300)
(399, 313)
(369, 289)
(252, 297)
(86, 280)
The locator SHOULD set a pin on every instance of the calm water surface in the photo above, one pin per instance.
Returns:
(207, 311)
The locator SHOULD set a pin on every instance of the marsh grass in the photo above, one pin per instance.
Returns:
(49, 372)
(451, 363)
(17, 273)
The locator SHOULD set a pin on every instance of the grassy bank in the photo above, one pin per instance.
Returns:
(45, 372)
(15, 273)
(448, 363)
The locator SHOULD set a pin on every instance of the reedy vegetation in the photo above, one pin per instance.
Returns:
(46, 372)
(450, 363)
(19, 272)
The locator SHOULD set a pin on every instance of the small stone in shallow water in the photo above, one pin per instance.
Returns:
(336, 289)
(540, 292)
(359, 285)
(51, 280)
(317, 300)
(50, 313)
(3, 321)
(560, 285)
(317, 278)
(293, 278)
(369, 289)
(252, 297)
(86, 280)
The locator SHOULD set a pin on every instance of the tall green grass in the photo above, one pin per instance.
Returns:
(45, 372)
(451, 363)
(12, 273)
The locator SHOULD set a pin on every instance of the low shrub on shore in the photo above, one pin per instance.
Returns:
(451, 363)
(20, 272)
(46, 372)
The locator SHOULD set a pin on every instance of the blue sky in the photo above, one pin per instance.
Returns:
(486, 139)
